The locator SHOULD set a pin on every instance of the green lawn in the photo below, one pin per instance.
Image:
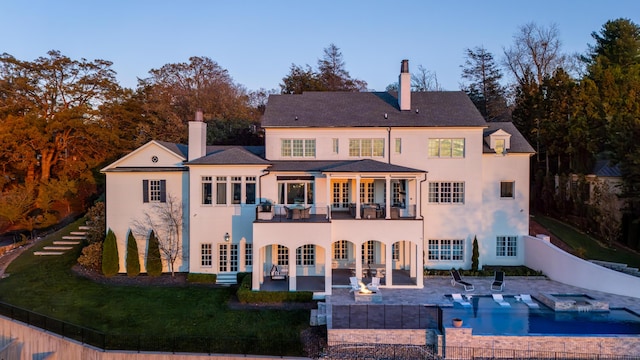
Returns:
(593, 249)
(46, 285)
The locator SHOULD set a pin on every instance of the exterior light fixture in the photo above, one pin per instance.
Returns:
(226, 237)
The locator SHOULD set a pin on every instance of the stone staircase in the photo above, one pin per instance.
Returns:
(68, 242)
(226, 278)
(618, 267)
(319, 315)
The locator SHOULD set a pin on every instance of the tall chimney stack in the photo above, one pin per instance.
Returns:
(404, 87)
(197, 137)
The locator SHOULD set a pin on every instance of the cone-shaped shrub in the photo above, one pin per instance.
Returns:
(154, 262)
(110, 261)
(133, 258)
(475, 255)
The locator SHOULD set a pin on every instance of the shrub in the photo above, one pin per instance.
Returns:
(475, 254)
(202, 278)
(246, 295)
(133, 257)
(110, 260)
(240, 276)
(154, 261)
(91, 257)
(97, 223)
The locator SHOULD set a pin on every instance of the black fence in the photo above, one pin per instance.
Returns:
(378, 316)
(171, 344)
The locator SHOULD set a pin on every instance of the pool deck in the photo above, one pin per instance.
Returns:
(437, 287)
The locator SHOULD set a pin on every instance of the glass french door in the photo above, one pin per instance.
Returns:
(340, 195)
(228, 257)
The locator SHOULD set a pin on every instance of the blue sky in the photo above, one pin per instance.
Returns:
(257, 41)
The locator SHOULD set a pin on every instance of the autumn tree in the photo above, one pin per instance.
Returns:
(483, 84)
(172, 94)
(165, 221)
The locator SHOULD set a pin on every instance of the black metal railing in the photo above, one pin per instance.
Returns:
(173, 344)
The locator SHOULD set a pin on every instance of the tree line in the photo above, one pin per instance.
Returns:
(63, 119)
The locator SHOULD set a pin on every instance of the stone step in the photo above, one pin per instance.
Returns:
(78, 233)
(313, 320)
(226, 278)
(63, 248)
(84, 227)
(47, 253)
(66, 242)
(74, 237)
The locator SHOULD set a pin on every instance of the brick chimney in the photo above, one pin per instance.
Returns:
(197, 137)
(404, 87)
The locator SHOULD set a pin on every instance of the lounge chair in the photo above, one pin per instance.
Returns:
(457, 298)
(500, 300)
(279, 272)
(373, 285)
(457, 280)
(526, 298)
(498, 281)
(354, 283)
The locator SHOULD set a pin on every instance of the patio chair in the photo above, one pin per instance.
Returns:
(373, 285)
(457, 298)
(500, 300)
(457, 280)
(354, 283)
(498, 281)
(526, 298)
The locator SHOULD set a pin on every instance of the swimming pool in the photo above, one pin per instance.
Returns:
(486, 317)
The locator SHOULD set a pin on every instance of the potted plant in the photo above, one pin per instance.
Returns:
(457, 322)
(265, 206)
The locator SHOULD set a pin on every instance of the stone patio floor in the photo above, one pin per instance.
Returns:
(437, 287)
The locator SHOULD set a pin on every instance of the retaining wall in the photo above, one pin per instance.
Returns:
(563, 267)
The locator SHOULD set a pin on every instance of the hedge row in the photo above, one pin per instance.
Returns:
(246, 295)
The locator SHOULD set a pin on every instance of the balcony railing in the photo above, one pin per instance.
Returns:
(324, 212)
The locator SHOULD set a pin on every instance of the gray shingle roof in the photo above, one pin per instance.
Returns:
(229, 155)
(604, 168)
(518, 143)
(352, 109)
(179, 149)
(364, 165)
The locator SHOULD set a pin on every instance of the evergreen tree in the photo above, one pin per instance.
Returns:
(475, 255)
(110, 258)
(154, 262)
(484, 86)
(133, 257)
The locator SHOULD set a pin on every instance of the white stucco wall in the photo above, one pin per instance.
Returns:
(563, 267)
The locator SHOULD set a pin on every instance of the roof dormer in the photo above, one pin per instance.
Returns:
(499, 141)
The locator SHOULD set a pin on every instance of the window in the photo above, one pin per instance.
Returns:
(207, 187)
(306, 255)
(236, 189)
(507, 189)
(295, 192)
(248, 254)
(445, 250)
(506, 246)
(206, 255)
(340, 250)
(154, 191)
(369, 252)
(250, 190)
(336, 147)
(499, 146)
(298, 147)
(395, 252)
(398, 146)
(366, 147)
(367, 190)
(446, 148)
(283, 255)
(223, 263)
(221, 190)
(446, 192)
(398, 193)
(233, 257)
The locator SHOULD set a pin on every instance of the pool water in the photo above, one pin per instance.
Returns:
(486, 317)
